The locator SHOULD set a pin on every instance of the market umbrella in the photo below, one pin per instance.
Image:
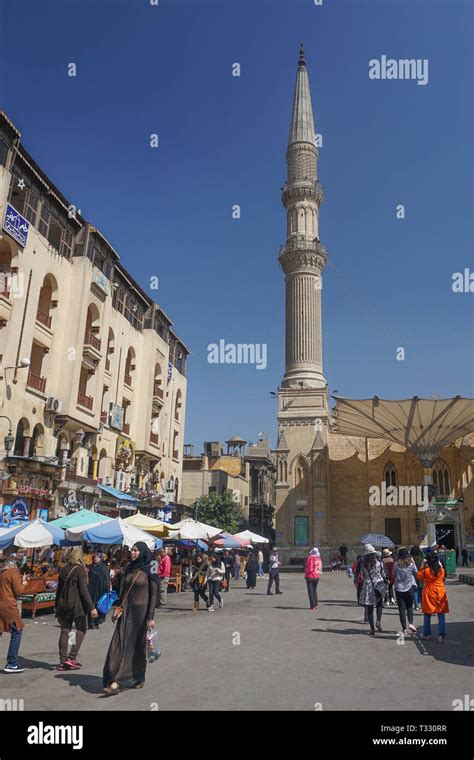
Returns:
(187, 543)
(193, 530)
(81, 517)
(148, 524)
(376, 539)
(254, 538)
(32, 535)
(115, 531)
(228, 541)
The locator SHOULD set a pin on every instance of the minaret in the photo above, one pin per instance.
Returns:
(303, 257)
(302, 498)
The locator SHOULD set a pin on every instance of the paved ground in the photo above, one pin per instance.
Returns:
(287, 658)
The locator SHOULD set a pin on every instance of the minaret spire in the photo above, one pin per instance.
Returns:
(303, 257)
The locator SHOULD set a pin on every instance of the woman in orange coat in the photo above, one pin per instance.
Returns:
(434, 600)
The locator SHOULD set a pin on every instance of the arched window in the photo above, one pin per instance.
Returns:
(110, 349)
(390, 475)
(47, 300)
(36, 443)
(176, 490)
(91, 464)
(22, 438)
(129, 367)
(441, 478)
(300, 479)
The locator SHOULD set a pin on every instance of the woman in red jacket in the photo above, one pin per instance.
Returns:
(312, 570)
(433, 600)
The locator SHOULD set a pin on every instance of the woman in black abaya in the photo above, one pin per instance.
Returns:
(126, 660)
(99, 584)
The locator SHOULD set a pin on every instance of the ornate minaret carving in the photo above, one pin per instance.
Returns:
(303, 257)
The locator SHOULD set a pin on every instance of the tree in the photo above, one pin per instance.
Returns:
(219, 510)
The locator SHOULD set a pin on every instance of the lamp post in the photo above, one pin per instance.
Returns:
(9, 439)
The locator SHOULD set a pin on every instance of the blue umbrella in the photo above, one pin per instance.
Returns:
(25, 535)
(376, 539)
(188, 543)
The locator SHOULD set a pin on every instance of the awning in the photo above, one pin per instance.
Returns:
(118, 495)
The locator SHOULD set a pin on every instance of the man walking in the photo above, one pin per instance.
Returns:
(343, 554)
(11, 586)
(274, 574)
(260, 563)
(465, 561)
(164, 572)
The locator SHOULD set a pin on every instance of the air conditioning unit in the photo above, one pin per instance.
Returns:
(53, 405)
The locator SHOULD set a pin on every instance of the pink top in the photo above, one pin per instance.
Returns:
(313, 567)
(164, 568)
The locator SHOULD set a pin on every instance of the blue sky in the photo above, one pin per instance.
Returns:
(167, 69)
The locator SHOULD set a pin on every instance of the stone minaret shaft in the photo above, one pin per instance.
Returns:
(303, 257)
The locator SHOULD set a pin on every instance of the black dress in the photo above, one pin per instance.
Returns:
(251, 570)
(126, 659)
(99, 584)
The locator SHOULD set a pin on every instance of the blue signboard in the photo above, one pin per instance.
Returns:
(16, 225)
(14, 514)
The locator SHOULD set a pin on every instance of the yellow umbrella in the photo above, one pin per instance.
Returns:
(148, 524)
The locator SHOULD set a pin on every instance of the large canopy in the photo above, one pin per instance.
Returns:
(228, 541)
(148, 524)
(424, 426)
(193, 530)
(81, 517)
(113, 532)
(32, 535)
(253, 538)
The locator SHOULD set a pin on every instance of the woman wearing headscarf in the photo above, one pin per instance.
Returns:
(126, 660)
(312, 571)
(373, 590)
(199, 580)
(73, 604)
(434, 600)
(12, 585)
(99, 584)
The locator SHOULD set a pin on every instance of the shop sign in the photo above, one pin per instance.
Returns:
(99, 279)
(116, 416)
(14, 514)
(16, 225)
(43, 514)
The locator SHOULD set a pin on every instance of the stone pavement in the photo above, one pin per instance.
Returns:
(263, 652)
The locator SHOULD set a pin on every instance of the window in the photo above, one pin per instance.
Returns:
(3, 151)
(441, 478)
(25, 199)
(390, 475)
(51, 227)
(393, 529)
(126, 305)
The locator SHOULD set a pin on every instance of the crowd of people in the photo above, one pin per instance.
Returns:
(137, 582)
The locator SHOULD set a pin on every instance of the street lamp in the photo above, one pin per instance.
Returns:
(24, 363)
(9, 439)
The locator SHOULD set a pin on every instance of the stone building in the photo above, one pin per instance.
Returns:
(323, 478)
(101, 395)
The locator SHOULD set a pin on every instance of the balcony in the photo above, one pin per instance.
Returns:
(158, 397)
(103, 417)
(107, 365)
(128, 380)
(5, 303)
(176, 455)
(85, 401)
(38, 383)
(126, 428)
(154, 439)
(45, 319)
(91, 352)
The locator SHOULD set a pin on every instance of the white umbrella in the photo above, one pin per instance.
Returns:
(31, 535)
(254, 538)
(192, 530)
(112, 532)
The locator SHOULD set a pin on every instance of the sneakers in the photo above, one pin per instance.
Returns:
(221, 604)
(378, 627)
(72, 663)
(210, 609)
(279, 592)
(412, 628)
(440, 639)
(13, 669)
(62, 667)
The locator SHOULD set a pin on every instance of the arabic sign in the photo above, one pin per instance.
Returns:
(100, 280)
(16, 225)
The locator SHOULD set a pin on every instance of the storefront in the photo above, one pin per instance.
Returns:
(115, 503)
(29, 491)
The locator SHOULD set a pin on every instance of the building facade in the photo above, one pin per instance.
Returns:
(323, 478)
(101, 395)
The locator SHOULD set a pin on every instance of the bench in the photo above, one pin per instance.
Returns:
(37, 597)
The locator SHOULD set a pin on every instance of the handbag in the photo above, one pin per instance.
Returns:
(106, 601)
(223, 584)
(119, 608)
(380, 588)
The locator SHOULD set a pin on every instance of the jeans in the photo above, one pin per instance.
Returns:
(200, 591)
(417, 595)
(370, 613)
(405, 607)
(260, 569)
(237, 572)
(441, 624)
(15, 641)
(312, 586)
(214, 591)
(274, 576)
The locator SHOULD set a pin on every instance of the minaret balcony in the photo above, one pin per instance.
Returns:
(301, 251)
(300, 189)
